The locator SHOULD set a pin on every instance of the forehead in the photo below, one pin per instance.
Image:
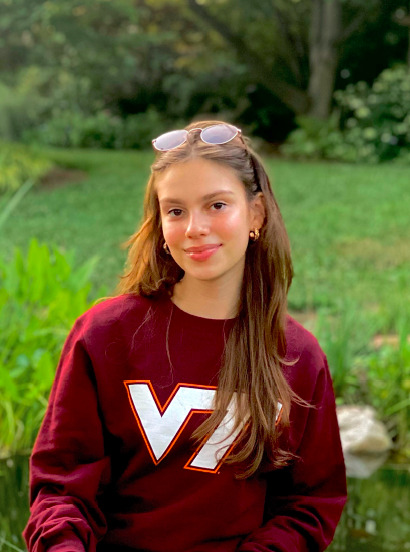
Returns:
(197, 177)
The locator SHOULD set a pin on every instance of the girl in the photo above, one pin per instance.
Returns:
(190, 413)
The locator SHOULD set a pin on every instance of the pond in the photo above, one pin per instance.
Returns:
(376, 517)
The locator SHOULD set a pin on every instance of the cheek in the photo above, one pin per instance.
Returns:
(235, 224)
(173, 233)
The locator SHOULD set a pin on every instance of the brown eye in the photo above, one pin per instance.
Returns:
(175, 212)
(218, 206)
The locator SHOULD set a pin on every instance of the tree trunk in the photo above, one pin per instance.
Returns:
(292, 96)
(326, 29)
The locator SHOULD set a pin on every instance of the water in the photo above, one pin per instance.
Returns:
(376, 517)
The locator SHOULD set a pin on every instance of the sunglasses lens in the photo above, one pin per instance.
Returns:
(218, 134)
(170, 140)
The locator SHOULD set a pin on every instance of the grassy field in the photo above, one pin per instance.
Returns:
(349, 226)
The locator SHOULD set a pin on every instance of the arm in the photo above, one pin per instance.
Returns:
(304, 501)
(68, 463)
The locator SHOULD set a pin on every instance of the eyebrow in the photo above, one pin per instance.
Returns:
(206, 197)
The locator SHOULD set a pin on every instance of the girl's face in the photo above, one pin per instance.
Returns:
(206, 219)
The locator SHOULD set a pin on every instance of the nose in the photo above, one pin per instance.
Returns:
(197, 226)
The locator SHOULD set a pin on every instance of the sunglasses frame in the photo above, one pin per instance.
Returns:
(238, 132)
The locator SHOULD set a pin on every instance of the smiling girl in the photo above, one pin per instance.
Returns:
(191, 413)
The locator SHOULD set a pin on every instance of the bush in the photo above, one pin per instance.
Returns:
(384, 382)
(13, 113)
(343, 338)
(26, 103)
(371, 124)
(364, 373)
(103, 130)
(18, 164)
(317, 139)
(40, 297)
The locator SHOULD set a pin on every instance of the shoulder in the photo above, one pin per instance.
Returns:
(301, 342)
(305, 359)
(113, 313)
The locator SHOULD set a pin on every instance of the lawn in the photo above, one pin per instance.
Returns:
(348, 225)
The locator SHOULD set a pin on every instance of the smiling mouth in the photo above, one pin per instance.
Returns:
(202, 253)
(201, 248)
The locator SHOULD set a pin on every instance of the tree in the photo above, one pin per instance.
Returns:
(331, 23)
(256, 62)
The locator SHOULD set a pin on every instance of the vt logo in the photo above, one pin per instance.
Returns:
(161, 425)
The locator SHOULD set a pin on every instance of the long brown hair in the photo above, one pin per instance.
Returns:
(256, 346)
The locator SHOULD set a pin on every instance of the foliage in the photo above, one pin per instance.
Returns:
(371, 124)
(103, 130)
(365, 372)
(383, 378)
(14, 479)
(317, 139)
(19, 164)
(16, 111)
(40, 296)
(376, 119)
(126, 56)
(343, 338)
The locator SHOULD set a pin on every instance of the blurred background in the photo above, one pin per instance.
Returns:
(323, 89)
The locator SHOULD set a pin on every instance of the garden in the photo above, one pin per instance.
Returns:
(75, 157)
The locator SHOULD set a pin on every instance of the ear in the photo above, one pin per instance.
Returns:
(258, 211)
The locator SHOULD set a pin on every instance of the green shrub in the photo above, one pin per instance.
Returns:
(384, 379)
(103, 130)
(365, 374)
(317, 139)
(377, 119)
(13, 113)
(40, 297)
(343, 338)
(19, 164)
(370, 124)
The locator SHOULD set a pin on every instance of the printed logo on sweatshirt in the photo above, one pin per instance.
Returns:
(161, 425)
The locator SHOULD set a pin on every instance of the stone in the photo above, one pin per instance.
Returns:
(362, 466)
(361, 432)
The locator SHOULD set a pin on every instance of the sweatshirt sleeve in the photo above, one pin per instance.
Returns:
(68, 465)
(305, 500)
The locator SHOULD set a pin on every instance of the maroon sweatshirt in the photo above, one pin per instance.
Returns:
(114, 467)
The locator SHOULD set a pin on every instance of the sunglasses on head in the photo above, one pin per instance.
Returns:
(215, 134)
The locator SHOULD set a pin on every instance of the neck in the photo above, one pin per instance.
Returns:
(208, 299)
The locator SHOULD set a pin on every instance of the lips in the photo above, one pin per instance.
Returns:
(202, 252)
(201, 248)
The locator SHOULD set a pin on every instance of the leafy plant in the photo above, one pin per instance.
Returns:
(364, 372)
(74, 129)
(343, 338)
(40, 296)
(377, 119)
(371, 123)
(384, 376)
(19, 164)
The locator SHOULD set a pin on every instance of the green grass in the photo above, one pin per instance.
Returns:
(348, 224)
(93, 216)
(350, 234)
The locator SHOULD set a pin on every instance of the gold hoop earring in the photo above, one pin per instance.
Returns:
(254, 234)
(166, 248)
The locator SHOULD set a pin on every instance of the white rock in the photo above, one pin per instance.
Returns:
(360, 431)
(362, 466)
